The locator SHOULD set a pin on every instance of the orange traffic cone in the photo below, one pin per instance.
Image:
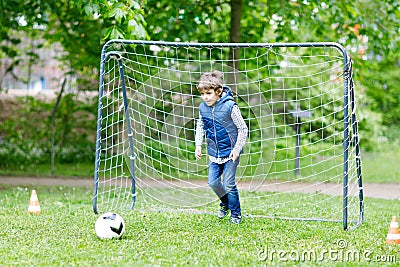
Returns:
(34, 206)
(393, 237)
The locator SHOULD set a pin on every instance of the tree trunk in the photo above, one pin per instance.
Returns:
(53, 126)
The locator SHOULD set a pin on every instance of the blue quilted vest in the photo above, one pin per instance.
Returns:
(221, 132)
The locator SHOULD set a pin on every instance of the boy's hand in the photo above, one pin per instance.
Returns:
(234, 155)
(198, 152)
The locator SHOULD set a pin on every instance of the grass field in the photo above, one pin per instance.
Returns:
(382, 166)
(377, 167)
(63, 235)
(63, 170)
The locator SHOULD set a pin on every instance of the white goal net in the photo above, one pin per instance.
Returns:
(301, 159)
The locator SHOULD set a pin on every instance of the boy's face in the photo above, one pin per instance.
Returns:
(210, 97)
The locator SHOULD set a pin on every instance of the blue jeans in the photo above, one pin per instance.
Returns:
(226, 189)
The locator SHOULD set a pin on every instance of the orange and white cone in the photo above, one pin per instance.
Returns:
(34, 206)
(393, 237)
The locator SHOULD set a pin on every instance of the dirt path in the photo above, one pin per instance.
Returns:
(373, 190)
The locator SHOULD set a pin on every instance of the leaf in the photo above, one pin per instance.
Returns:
(118, 12)
(132, 23)
(107, 33)
(116, 33)
(140, 32)
(140, 18)
(91, 9)
(135, 5)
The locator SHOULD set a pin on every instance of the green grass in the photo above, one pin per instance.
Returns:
(63, 235)
(382, 166)
(377, 167)
(85, 169)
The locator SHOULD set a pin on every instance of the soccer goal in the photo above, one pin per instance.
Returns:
(302, 156)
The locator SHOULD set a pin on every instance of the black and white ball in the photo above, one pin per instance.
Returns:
(109, 225)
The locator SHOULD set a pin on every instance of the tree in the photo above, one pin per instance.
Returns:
(383, 90)
(274, 21)
(127, 17)
(368, 29)
(365, 27)
(79, 26)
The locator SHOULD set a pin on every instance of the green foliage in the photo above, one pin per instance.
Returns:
(383, 89)
(79, 26)
(26, 136)
(188, 20)
(82, 26)
(365, 37)
(126, 18)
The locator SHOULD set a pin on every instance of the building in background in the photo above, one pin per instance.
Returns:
(39, 69)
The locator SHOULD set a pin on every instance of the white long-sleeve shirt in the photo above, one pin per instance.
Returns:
(241, 139)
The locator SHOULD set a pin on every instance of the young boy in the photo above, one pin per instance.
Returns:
(226, 132)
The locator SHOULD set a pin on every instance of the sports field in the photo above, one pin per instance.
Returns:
(63, 235)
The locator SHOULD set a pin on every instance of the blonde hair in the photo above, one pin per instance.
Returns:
(211, 81)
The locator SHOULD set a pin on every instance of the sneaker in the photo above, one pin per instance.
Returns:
(236, 220)
(223, 212)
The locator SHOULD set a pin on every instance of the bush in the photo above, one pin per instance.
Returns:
(26, 135)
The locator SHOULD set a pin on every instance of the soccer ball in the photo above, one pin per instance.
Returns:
(109, 225)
